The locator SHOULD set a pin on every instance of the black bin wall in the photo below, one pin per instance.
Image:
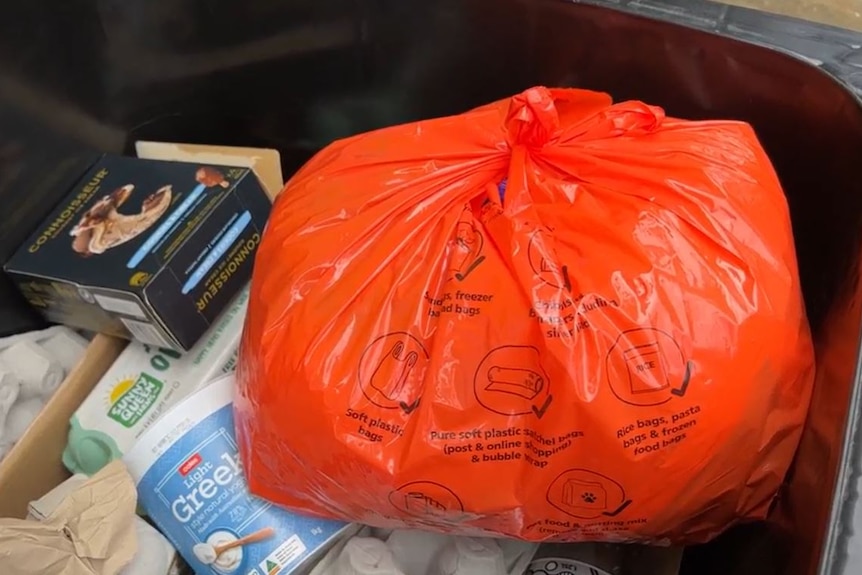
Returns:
(83, 76)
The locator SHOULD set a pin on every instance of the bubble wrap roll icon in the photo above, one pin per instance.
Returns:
(524, 382)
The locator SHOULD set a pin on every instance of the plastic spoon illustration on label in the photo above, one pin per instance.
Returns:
(207, 553)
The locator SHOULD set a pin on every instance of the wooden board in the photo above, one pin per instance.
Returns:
(843, 13)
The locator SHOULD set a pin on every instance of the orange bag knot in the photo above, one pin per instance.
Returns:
(532, 119)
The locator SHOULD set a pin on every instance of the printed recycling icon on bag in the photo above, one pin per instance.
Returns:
(552, 318)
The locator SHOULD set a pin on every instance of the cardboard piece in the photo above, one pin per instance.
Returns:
(42, 508)
(91, 532)
(266, 164)
(34, 466)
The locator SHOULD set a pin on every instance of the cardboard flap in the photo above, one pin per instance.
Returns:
(264, 162)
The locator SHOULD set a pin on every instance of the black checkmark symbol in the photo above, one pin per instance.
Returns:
(408, 409)
(567, 282)
(540, 411)
(619, 509)
(680, 391)
(462, 276)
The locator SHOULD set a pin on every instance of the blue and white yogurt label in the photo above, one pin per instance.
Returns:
(196, 493)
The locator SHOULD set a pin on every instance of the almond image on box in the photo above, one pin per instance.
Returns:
(150, 249)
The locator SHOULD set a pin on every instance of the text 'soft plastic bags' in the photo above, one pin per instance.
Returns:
(548, 318)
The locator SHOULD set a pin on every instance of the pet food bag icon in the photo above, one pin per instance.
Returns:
(579, 492)
(586, 494)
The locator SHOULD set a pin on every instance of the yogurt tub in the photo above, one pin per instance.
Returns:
(191, 484)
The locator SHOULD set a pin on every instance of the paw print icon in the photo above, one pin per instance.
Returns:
(586, 494)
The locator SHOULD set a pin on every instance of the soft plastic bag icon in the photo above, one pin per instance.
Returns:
(550, 317)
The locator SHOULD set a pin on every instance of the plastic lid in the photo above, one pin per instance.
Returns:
(88, 450)
(471, 556)
(366, 556)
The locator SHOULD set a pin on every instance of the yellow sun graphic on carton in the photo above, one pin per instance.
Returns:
(118, 389)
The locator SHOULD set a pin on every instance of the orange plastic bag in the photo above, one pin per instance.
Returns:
(547, 318)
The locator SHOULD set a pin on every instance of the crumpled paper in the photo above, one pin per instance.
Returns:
(91, 532)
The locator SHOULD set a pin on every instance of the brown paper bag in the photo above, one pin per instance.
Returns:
(91, 532)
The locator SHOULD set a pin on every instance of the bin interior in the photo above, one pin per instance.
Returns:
(100, 74)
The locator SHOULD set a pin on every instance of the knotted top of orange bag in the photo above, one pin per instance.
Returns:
(550, 317)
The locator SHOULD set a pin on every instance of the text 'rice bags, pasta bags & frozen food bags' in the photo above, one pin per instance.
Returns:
(552, 318)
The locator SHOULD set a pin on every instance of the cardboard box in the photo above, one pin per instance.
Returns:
(154, 249)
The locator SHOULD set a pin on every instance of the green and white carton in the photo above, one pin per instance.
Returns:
(145, 382)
